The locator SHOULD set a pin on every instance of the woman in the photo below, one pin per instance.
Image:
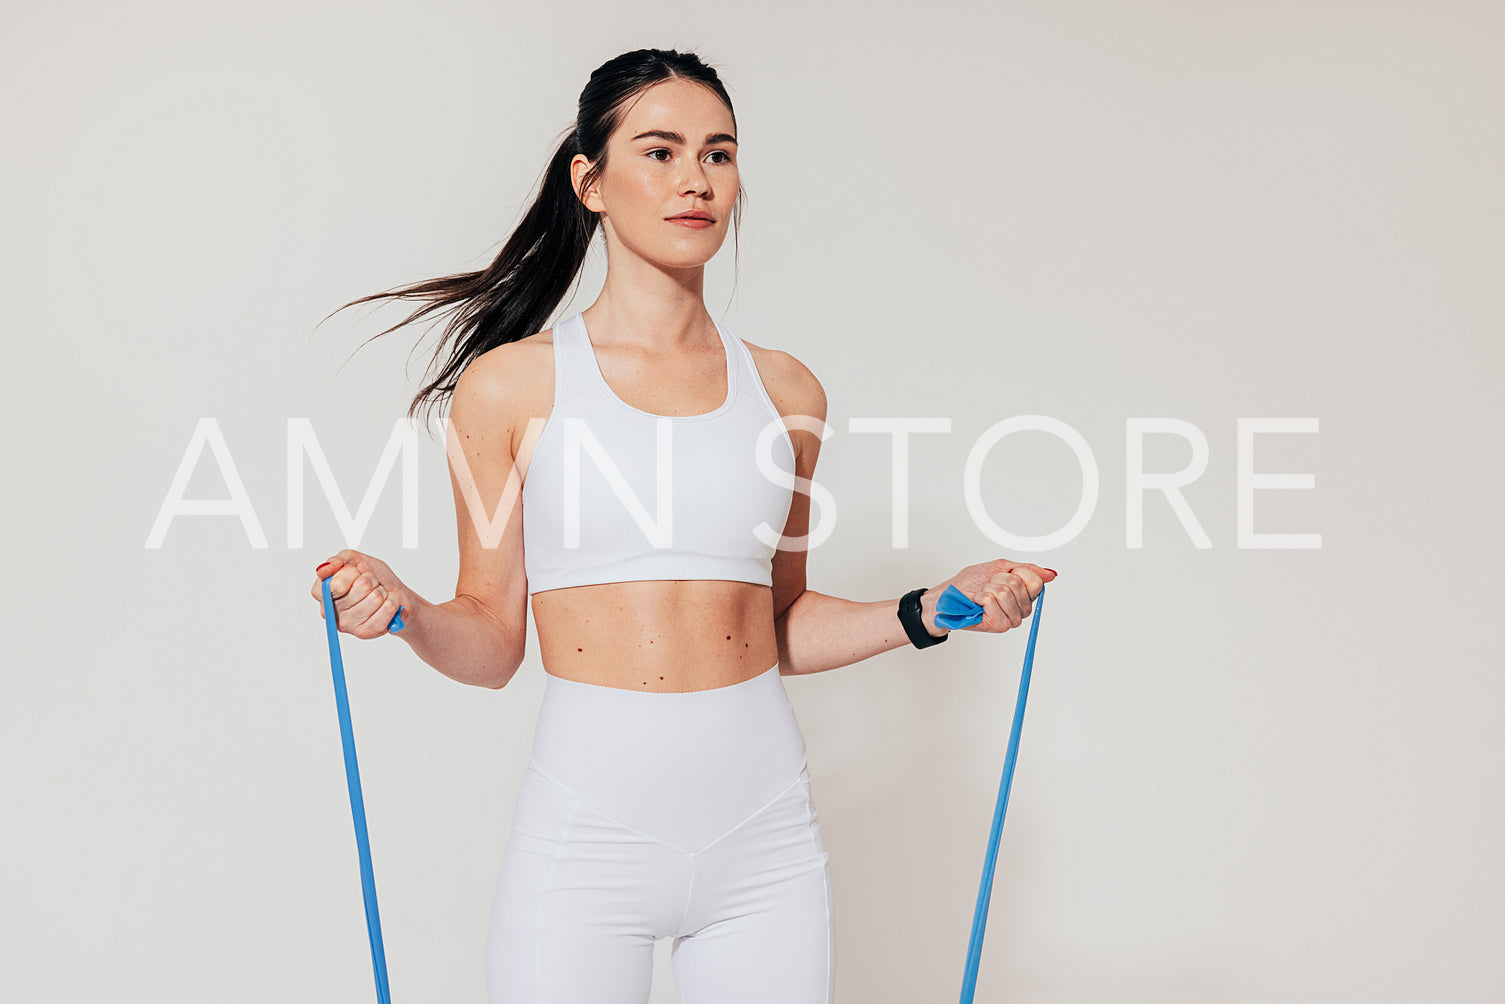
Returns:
(627, 471)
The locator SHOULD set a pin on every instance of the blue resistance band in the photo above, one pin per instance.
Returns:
(357, 803)
(955, 610)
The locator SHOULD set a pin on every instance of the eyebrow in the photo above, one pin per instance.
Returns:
(674, 137)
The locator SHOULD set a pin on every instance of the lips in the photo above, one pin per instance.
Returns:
(693, 216)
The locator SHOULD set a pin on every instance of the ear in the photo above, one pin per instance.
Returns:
(591, 198)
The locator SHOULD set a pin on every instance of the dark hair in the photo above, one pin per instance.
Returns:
(515, 295)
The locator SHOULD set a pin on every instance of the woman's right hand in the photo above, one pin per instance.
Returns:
(365, 592)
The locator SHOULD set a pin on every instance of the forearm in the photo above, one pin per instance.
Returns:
(463, 640)
(819, 632)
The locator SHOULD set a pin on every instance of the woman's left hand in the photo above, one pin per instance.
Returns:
(1005, 589)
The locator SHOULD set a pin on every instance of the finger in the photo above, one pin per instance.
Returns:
(342, 584)
(992, 613)
(1016, 608)
(1011, 584)
(1003, 607)
(1045, 574)
(1034, 579)
(364, 567)
(1025, 590)
(365, 595)
(375, 625)
(358, 619)
(348, 590)
(1040, 572)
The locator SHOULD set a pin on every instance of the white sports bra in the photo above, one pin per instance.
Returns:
(617, 494)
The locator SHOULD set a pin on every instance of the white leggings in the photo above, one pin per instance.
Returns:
(655, 815)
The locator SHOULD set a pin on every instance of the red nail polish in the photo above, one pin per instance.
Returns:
(321, 567)
(1051, 570)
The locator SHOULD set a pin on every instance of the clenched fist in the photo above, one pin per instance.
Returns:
(366, 593)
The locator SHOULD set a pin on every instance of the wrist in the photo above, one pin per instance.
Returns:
(918, 621)
(928, 601)
(414, 619)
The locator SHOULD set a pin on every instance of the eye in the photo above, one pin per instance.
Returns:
(726, 157)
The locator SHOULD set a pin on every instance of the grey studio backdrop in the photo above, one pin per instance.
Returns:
(1248, 773)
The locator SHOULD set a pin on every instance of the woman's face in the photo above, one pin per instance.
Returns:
(676, 151)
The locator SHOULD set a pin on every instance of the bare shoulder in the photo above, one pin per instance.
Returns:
(505, 386)
(794, 388)
(509, 370)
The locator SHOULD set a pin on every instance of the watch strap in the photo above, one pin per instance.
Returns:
(914, 624)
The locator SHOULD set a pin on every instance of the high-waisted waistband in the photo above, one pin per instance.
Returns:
(683, 767)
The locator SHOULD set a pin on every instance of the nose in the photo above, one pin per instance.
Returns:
(695, 180)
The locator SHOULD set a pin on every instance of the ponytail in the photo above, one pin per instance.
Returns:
(516, 294)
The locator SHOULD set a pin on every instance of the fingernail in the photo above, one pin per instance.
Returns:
(321, 567)
(1051, 570)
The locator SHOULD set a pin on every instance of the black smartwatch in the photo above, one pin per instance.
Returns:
(909, 616)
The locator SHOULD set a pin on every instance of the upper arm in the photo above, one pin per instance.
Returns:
(486, 406)
(798, 395)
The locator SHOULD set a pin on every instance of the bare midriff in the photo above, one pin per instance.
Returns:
(664, 636)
